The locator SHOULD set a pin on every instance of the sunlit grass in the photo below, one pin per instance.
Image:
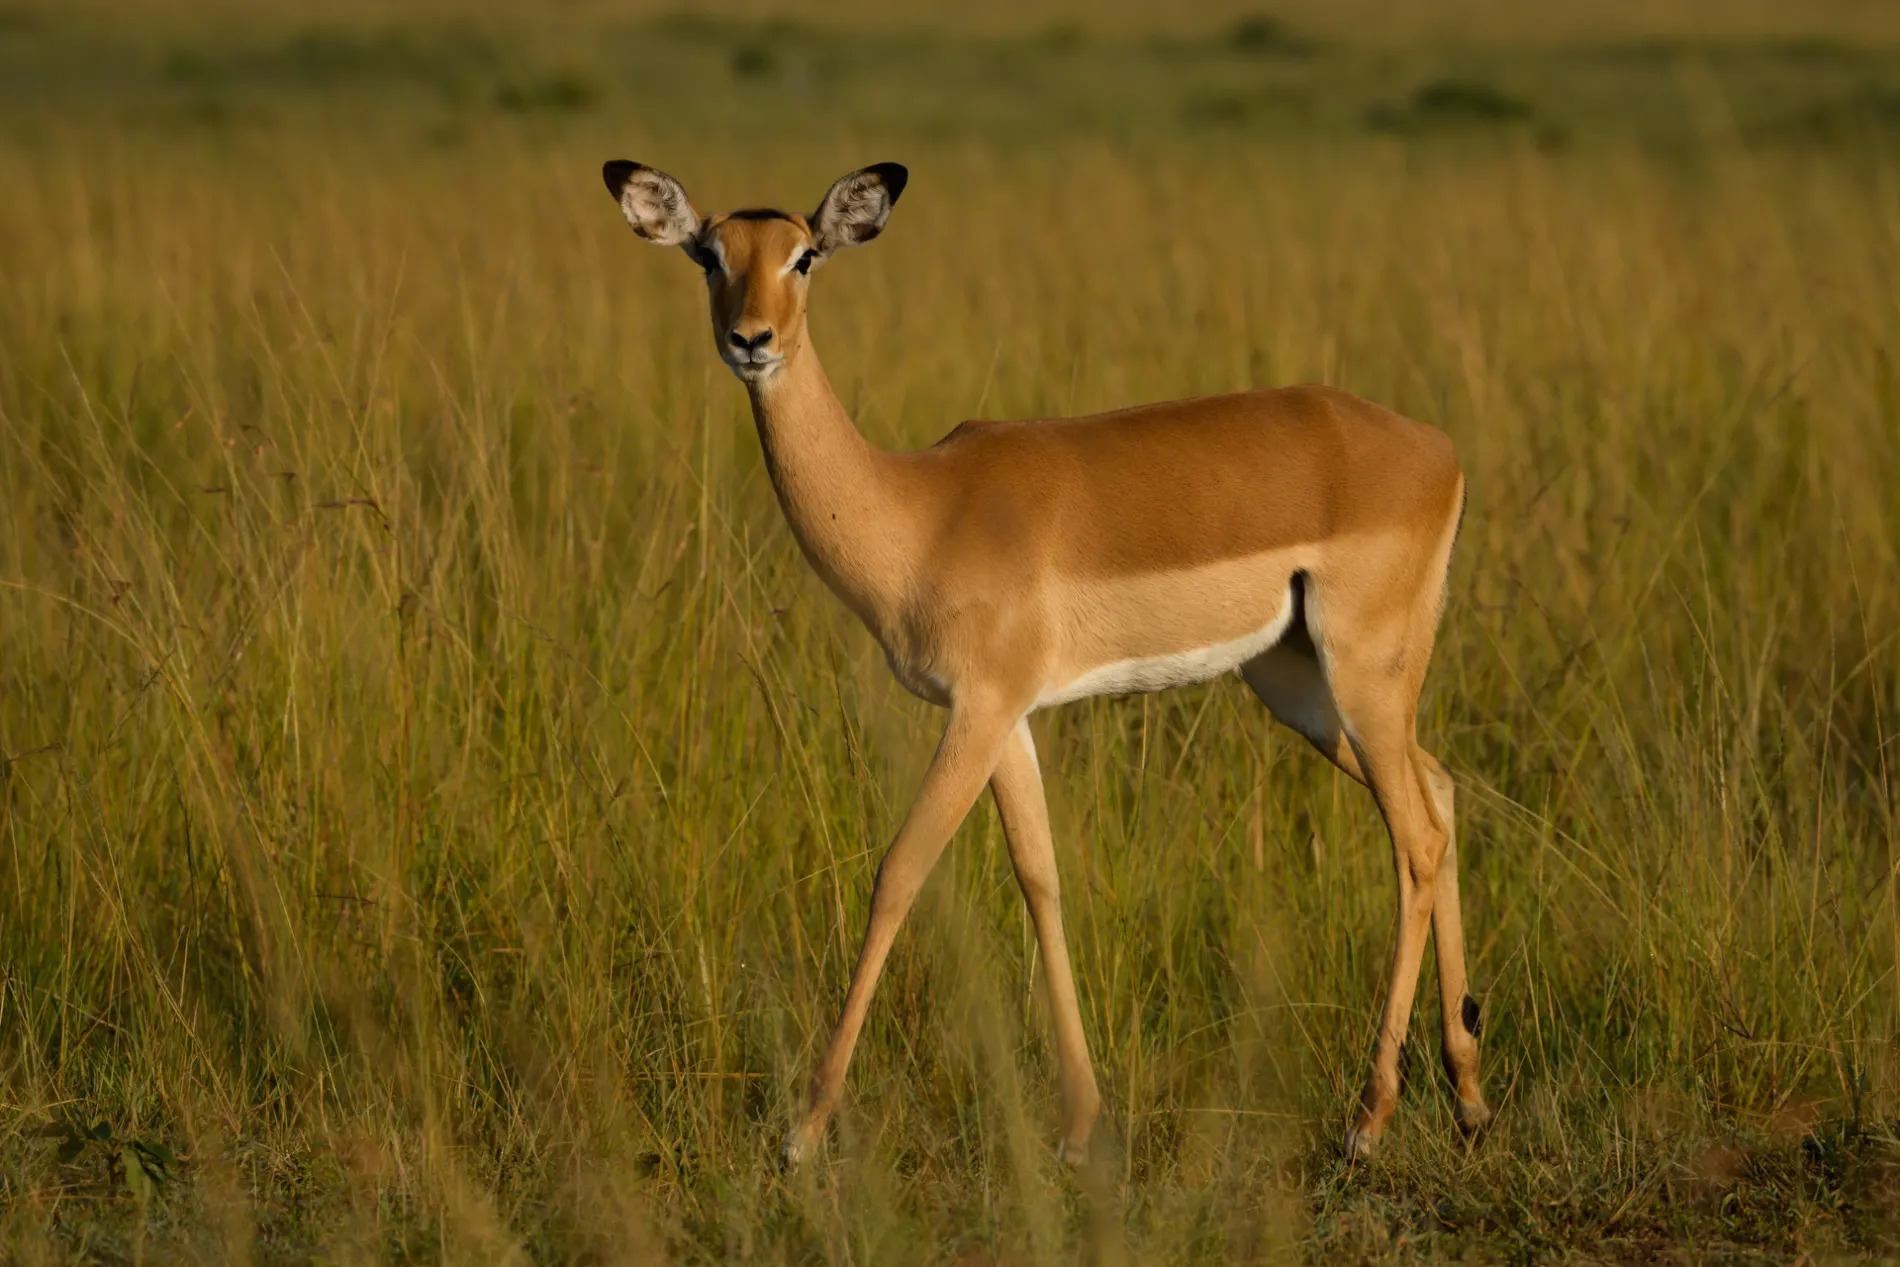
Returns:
(440, 805)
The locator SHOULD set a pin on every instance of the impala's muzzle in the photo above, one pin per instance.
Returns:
(751, 349)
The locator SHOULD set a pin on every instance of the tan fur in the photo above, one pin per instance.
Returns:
(1300, 536)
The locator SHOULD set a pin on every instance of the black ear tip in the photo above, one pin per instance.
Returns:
(617, 173)
(894, 175)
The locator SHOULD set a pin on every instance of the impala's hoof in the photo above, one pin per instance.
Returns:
(1471, 1118)
(1073, 1153)
(801, 1144)
(1362, 1142)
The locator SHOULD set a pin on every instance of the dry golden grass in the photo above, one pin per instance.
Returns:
(438, 806)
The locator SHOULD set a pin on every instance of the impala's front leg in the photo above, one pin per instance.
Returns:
(1017, 785)
(972, 743)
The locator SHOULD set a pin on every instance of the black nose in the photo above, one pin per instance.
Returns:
(753, 344)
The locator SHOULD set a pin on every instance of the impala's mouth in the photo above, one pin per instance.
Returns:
(752, 365)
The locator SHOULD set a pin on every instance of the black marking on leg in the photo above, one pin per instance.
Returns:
(1405, 1065)
(1470, 1016)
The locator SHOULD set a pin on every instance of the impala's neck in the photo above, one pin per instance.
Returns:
(839, 494)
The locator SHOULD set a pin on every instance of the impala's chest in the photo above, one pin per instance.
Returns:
(917, 679)
(933, 647)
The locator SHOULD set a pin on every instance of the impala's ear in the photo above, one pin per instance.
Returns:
(856, 207)
(653, 202)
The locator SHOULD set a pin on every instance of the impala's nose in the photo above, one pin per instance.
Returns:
(757, 343)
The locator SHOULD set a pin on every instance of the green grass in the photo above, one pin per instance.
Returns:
(437, 805)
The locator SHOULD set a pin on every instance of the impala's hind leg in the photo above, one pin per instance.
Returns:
(1366, 729)
(1290, 682)
(1459, 1009)
(1379, 727)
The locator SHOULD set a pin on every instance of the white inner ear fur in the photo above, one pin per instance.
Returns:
(853, 212)
(658, 209)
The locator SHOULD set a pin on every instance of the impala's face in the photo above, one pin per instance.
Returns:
(757, 263)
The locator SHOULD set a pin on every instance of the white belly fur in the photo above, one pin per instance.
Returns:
(1180, 668)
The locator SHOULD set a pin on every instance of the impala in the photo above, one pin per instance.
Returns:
(1298, 536)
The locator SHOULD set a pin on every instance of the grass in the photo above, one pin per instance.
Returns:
(438, 805)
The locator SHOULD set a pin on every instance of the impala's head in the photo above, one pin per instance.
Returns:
(757, 263)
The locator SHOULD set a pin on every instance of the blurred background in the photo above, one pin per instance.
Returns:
(1579, 70)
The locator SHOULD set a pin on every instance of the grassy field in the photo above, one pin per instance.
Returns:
(438, 806)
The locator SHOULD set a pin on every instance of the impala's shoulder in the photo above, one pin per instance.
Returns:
(992, 440)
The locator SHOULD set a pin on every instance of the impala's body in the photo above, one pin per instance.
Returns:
(1300, 537)
(1115, 589)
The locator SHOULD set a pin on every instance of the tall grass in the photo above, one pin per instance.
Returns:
(438, 803)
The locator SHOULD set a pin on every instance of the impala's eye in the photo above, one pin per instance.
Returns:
(804, 263)
(705, 259)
